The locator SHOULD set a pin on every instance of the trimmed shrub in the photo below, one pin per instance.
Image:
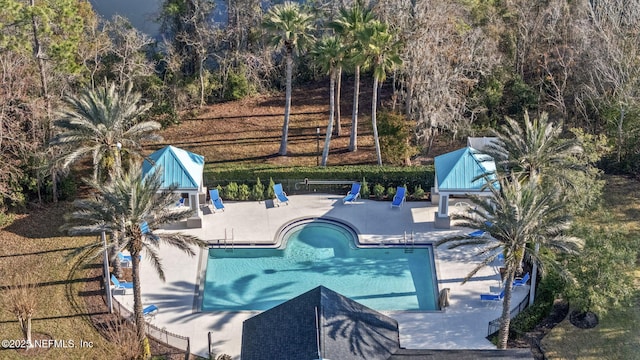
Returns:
(384, 175)
(364, 189)
(231, 191)
(378, 191)
(391, 192)
(418, 193)
(270, 193)
(257, 193)
(244, 192)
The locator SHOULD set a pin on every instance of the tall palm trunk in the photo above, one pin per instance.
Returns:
(327, 140)
(135, 250)
(37, 53)
(374, 124)
(353, 142)
(115, 173)
(505, 318)
(287, 105)
(338, 91)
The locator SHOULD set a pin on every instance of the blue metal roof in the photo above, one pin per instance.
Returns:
(180, 167)
(455, 171)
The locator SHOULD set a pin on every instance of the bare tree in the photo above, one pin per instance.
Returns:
(122, 334)
(612, 80)
(129, 47)
(198, 35)
(441, 66)
(21, 299)
(93, 52)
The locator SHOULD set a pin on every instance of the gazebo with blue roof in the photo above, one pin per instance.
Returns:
(460, 173)
(183, 169)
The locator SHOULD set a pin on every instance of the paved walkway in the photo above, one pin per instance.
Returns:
(463, 325)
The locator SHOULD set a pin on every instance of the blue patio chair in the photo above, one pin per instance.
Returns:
(144, 228)
(180, 202)
(476, 234)
(353, 194)
(150, 311)
(398, 199)
(492, 297)
(216, 201)
(120, 285)
(281, 196)
(125, 260)
(521, 281)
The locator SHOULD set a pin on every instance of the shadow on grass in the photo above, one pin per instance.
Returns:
(41, 222)
(38, 252)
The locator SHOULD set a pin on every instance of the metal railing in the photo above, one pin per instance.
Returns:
(494, 325)
(168, 338)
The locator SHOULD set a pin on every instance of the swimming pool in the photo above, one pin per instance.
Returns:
(320, 253)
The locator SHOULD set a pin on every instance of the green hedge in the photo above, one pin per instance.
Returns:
(388, 176)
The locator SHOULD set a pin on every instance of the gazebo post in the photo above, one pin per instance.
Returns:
(442, 219)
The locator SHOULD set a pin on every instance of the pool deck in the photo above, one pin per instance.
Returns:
(463, 325)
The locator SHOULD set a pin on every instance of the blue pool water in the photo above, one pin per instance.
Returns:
(318, 253)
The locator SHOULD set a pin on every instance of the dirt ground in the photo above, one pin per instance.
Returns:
(249, 131)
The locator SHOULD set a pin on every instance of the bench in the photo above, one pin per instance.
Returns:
(308, 182)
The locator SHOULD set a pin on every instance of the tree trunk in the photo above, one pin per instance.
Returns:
(201, 75)
(287, 106)
(135, 250)
(620, 134)
(409, 97)
(505, 318)
(113, 254)
(37, 52)
(353, 142)
(338, 91)
(374, 106)
(25, 326)
(327, 140)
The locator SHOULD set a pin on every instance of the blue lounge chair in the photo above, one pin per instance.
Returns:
(215, 199)
(120, 285)
(521, 281)
(476, 234)
(353, 194)
(281, 196)
(492, 297)
(180, 202)
(400, 196)
(150, 311)
(144, 228)
(125, 260)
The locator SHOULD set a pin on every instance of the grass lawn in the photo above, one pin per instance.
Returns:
(617, 334)
(32, 247)
(615, 337)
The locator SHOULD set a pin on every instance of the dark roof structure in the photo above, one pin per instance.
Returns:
(324, 325)
(346, 330)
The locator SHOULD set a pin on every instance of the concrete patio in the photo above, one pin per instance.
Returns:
(463, 325)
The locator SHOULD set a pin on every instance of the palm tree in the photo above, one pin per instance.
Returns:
(290, 28)
(535, 151)
(349, 23)
(537, 154)
(517, 215)
(104, 123)
(383, 52)
(328, 54)
(125, 203)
